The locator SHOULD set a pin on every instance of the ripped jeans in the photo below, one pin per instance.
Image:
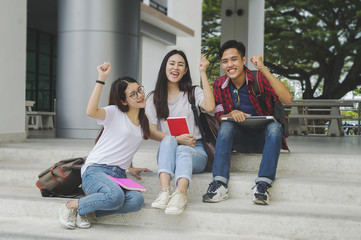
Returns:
(103, 195)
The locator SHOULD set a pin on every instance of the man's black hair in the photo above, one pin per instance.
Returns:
(232, 44)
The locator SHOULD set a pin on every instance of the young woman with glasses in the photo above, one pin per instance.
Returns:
(178, 156)
(125, 125)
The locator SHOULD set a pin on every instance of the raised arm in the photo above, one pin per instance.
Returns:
(208, 103)
(92, 109)
(283, 93)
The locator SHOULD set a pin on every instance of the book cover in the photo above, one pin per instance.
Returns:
(178, 125)
(129, 184)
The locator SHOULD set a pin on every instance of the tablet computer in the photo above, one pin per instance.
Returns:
(252, 120)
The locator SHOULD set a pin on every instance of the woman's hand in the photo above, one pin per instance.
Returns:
(186, 139)
(103, 71)
(208, 103)
(203, 64)
(136, 171)
(92, 109)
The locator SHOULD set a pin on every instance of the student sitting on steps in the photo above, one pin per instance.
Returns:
(235, 98)
(125, 126)
(178, 156)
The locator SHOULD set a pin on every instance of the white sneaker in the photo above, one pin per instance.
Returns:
(177, 203)
(216, 192)
(67, 217)
(162, 199)
(260, 193)
(82, 221)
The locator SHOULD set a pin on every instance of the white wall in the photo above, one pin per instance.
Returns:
(13, 70)
(246, 28)
(189, 13)
(152, 53)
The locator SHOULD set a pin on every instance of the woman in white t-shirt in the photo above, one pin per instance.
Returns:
(125, 125)
(182, 155)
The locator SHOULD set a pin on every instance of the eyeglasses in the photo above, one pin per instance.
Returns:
(134, 95)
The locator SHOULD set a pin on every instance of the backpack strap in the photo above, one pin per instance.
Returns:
(192, 101)
(255, 87)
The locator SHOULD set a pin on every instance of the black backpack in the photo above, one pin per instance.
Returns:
(208, 126)
(278, 111)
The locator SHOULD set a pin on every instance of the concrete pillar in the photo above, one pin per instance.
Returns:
(243, 20)
(13, 70)
(91, 32)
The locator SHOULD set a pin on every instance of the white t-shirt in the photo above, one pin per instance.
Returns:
(118, 142)
(179, 108)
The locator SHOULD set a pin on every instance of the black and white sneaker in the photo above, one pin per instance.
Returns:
(217, 191)
(260, 193)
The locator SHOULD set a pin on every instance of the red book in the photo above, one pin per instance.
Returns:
(129, 184)
(178, 125)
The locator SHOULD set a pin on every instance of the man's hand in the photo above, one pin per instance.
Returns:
(282, 91)
(186, 139)
(136, 171)
(239, 116)
(257, 62)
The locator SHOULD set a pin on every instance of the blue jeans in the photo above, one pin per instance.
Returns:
(180, 160)
(103, 195)
(266, 139)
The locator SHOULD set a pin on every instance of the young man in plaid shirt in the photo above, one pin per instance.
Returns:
(235, 98)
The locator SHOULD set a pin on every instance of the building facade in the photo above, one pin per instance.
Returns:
(50, 50)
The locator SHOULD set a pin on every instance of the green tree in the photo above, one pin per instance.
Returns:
(211, 36)
(357, 91)
(315, 43)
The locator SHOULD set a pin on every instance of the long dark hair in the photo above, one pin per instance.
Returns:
(161, 88)
(117, 95)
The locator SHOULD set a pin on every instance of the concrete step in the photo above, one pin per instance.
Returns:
(287, 187)
(332, 165)
(234, 217)
(314, 196)
(26, 228)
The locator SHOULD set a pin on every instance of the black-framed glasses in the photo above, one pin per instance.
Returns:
(134, 95)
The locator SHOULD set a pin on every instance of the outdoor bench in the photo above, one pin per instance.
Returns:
(38, 120)
(303, 110)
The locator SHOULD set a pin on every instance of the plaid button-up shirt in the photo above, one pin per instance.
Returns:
(224, 103)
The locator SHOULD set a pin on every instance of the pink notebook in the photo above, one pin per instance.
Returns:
(129, 184)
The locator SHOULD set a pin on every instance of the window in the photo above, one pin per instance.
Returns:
(160, 5)
(41, 69)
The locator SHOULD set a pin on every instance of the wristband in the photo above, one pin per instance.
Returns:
(101, 82)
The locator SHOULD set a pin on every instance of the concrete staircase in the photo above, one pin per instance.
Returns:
(316, 196)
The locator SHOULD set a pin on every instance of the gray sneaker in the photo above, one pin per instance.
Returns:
(177, 203)
(162, 199)
(67, 217)
(82, 221)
